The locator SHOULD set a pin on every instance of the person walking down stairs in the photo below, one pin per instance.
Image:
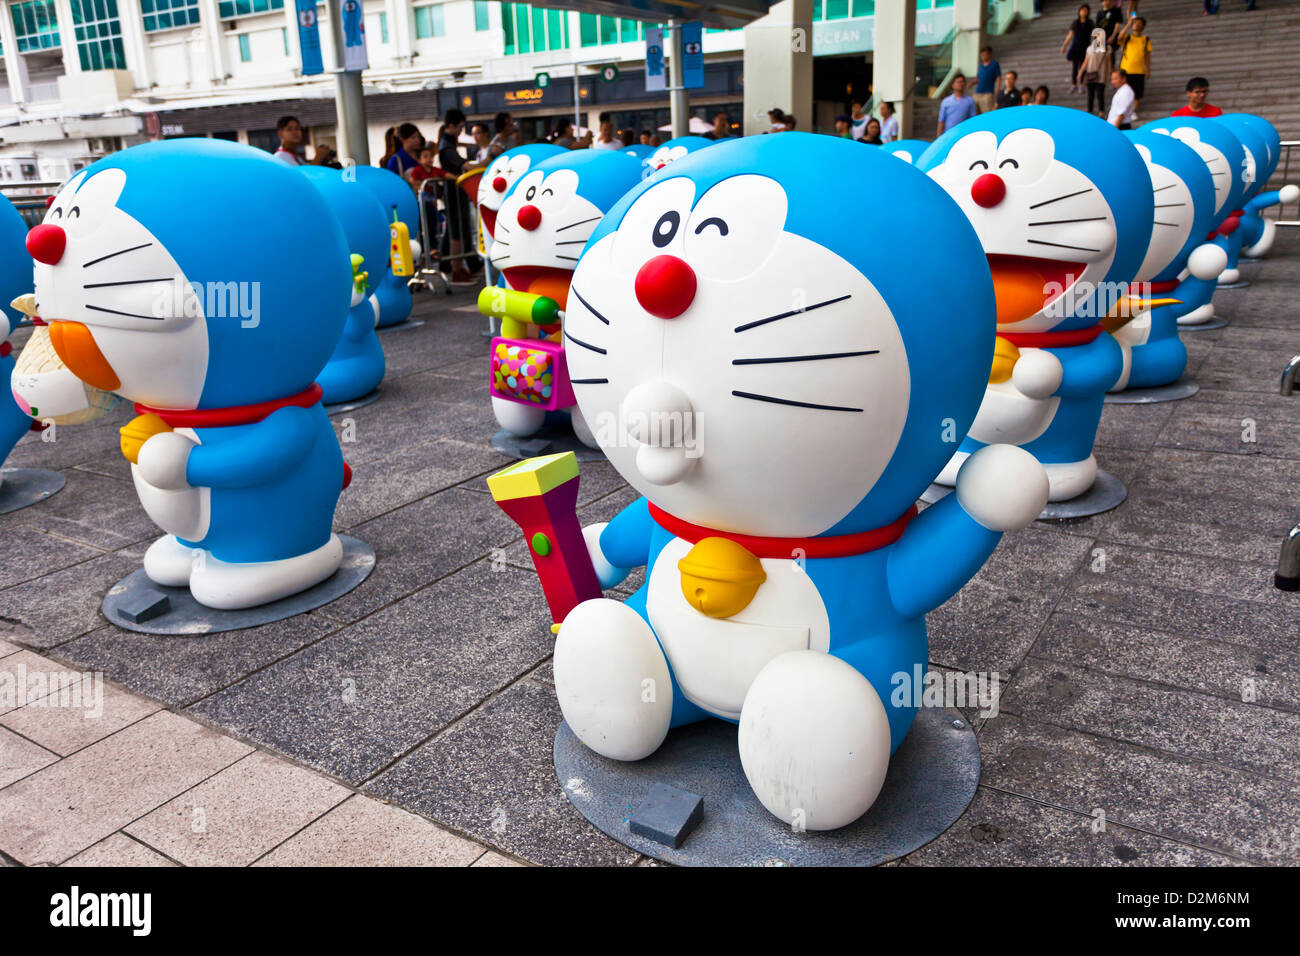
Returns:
(1136, 54)
(1075, 45)
(1095, 70)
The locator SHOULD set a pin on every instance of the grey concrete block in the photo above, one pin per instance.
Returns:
(667, 815)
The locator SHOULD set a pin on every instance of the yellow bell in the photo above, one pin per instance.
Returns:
(138, 431)
(1004, 360)
(720, 577)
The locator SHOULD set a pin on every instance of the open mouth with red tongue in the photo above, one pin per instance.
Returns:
(541, 280)
(489, 219)
(1024, 286)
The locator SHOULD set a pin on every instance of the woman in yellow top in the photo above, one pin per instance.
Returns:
(1136, 60)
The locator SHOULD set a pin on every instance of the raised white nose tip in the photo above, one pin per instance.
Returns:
(659, 417)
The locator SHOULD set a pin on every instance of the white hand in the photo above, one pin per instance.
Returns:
(1037, 374)
(163, 460)
(608, 575)
(1207, 261)
(415, 248)
(5, 327)
(1288, 193)
(1003, 487)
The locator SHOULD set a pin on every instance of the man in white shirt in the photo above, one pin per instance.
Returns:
(607, 139)
(858, 125)
(1122, 112)
(291, 138)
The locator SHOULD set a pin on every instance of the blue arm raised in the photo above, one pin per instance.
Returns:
(939, 552)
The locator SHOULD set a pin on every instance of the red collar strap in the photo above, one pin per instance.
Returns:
(1168, 285)
(1052, 340)
(225, 417)
(5, 349)
(827, 546)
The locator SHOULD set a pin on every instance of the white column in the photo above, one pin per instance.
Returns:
(214, 36)
(894, 69)
(15, 65)
(67, 37)
(134, 43)
(778, 65)
(400, 28)
(970, 18)
(291, 24)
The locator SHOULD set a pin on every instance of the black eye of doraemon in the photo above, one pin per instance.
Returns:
(666, 228)
(979, 162)
(1012, 162)
(56, 212)
(548, 191)
(532, 191)
(713, 221)
(74, 211)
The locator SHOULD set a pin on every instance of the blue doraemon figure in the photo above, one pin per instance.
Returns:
(540, 231)
(199, 314)
(1258, 233)
(776, 386)
(639, 151)
(15, 280)
(391, 292)
(502, 173)
(1063, 207)
(1179, 263)
(908, 150)
(1229, 167)
(672, 151)
(357, 366)
(1255, 159)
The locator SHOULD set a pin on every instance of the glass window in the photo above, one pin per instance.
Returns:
(35, 25)
(608, 30)
(245, 49)
(166, 14)
(528, 29)
(429, 22)
(627, 30)
(555, 29)
(284, 38)
(383, 27)
(230, 9)
(587, 29)
(481, 20)
(99, 35)
(508, 27)
(864, 8)
(523, 31)
(836, 9)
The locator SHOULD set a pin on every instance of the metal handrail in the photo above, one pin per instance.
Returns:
(1285, 165)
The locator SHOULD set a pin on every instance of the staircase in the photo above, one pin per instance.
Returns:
(1249, 59)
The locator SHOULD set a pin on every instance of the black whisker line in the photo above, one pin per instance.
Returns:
(785, 315)
(1170, 205)
(570, 242)
(496, 259)
(789, 401)
(502, 227)
(105, 285)
(570, 258)
(801, 358)
(120, 252)
(577, 295)
(1059, 222)
(588, 381)
(1062, 245)
(132, 315)
(1048, 202)
(1163, 188)
(585, 345)
(578, 223)
(1159, 223)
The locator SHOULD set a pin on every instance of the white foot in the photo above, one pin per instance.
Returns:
(814, 740)
(519, 420)
(581, 429)
(168, 562)
(232, 587)
(612, 680)
(1070, 479)
(1198, 316)
(1229, 276)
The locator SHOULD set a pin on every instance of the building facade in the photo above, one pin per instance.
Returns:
(86, 77)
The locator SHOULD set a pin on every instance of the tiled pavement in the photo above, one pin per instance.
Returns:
(1125, 640)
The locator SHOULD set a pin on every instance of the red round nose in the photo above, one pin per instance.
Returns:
(665, 286)
(500, 184)
(530, 217)
(988, 190)
(46, 243)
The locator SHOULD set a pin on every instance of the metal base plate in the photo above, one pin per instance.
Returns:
(1239, 284)
(1248, 260)
(1214, 323)
(188, 617)
(20, 487)
(1106, 494)
(400, 326)
(931, 781)
(338, 408)
(1157, 393)
(551, 440)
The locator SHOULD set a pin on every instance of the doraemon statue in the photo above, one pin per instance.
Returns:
(1063, 206)
(1154, 355)
(1229, 166)
(391, 292)
(201, 316)
(780, 389)
(500, 175)
(1255, 155)
(15, 280)
(540, 231)
(357, 366)
(639, 151)
(1257, 233)
(908, 150)
(672, 151)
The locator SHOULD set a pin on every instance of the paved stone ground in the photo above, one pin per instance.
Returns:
(1126, 640)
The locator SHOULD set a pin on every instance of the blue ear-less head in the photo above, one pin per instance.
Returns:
(194, 196)
(391, 191)
(908, 149)
(673, 150)
(603, 174)
(1222, 152)
(15, 263)
(1175, 158)
(1267, 132)
(358, 212)
(1256, 171)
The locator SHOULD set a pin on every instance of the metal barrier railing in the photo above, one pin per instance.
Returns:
(30, 198)
(1280, 178)
(447, 215)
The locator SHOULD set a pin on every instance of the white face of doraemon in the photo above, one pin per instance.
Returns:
(121, 312)
(541, 229)
(740, 376)
(1045, 226)
(664, 155)
(1220, 169)
(495, 183)
(1174, 217)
